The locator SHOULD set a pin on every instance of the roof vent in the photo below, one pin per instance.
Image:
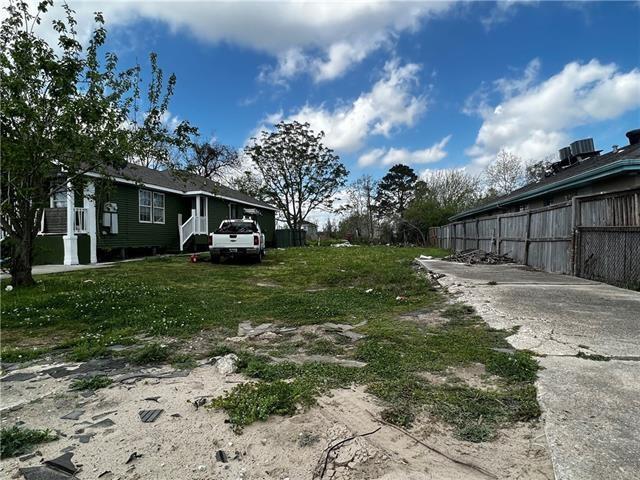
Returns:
(583, 147)
(634, 136)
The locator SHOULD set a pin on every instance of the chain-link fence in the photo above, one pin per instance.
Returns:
(609, 254)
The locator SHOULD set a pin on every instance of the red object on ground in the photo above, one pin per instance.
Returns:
(194, 258)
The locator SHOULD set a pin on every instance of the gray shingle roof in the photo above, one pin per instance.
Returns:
(184, 182)
(628, 152)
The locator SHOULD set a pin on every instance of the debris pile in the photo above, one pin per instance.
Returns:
(478, 256)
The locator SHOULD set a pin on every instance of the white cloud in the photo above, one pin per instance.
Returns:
(503, 11)
(323, 39)
(533, 120)
(391, 156)
(390, 104)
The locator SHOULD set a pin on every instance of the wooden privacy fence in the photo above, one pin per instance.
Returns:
(561, 238)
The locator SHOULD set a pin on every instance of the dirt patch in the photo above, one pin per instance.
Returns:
(184, 440)
(424, 317)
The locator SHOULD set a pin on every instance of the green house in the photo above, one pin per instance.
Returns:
(140, 211)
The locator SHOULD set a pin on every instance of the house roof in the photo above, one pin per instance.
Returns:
(184, 183)
(615, 162)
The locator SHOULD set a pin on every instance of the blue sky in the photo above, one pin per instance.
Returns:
(435, 85)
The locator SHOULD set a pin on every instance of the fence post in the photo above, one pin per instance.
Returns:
(498, 236)
(526, 239)
(477, 234)
(575, 214)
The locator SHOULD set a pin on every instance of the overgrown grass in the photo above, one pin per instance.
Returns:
(18, 441)
(171, 297)
(20, 355)
(91, 383)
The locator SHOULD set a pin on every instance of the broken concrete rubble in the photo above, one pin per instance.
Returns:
(228, 364)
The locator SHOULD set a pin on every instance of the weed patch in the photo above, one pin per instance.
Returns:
(519, 366)
(250, 402)
(18, 441)
(592, 356)
(183, 361)
(91, 383)
(150, 354)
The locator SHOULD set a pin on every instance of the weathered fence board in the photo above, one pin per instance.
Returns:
(560, 238)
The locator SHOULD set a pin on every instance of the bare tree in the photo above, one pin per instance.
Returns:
(212, 159)
(505, 174)
(451, 189)
(360, 205)
(536, 171)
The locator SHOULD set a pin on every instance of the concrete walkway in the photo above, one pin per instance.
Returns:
(47, 269)
(591, 408)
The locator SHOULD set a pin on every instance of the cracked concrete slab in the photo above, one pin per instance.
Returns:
(591, 408)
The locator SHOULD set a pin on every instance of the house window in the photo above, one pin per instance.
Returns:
(59, 199)
(150, 206)
(158, 207)
(144, 206)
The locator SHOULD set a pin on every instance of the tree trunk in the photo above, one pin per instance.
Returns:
(21, 262)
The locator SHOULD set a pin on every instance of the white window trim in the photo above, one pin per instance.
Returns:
(154, 208)
(150, 207)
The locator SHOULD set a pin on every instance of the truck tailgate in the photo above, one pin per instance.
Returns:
(233, 240)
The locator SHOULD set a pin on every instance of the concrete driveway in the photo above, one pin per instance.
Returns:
(591, 408)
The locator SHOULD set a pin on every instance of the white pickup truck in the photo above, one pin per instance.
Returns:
(237, 238)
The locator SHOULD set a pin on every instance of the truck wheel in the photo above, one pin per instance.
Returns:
(215, 258)
(259, 258)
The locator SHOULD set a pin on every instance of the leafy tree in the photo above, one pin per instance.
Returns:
(300, 174)
(157, 143)
(250, 184)
(505, 174)
(395, 190)
(63, 110)
(212, 159)
(66, 111)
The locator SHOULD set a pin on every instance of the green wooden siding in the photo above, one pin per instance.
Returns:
(132, 232)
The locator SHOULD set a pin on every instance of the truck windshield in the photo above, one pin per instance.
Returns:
(237, 227)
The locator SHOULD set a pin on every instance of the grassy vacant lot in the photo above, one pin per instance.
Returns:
(80, 314)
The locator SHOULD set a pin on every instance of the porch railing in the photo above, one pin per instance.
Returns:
(80, 220)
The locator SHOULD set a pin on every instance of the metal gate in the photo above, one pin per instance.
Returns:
(609, 254)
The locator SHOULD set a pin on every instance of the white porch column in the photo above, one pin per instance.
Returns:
(91, 221)
(198, 213)
(70, 240)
